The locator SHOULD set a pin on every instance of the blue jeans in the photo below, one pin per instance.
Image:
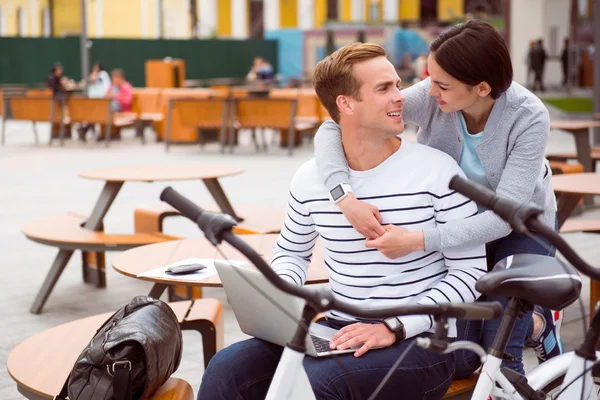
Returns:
(484, 332)
(244, 371)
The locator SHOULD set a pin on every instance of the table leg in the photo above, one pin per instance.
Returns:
(215, 189)
(107, 196)
(109, 192)
(139, 130)
(59, 264)
(584, 155)
(566, 204)
(157, 290)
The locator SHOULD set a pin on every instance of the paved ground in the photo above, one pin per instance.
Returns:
(37, 181)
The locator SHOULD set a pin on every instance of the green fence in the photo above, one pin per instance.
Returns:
(28, 60)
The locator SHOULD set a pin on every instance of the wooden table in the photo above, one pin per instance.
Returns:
(114, 178)
(581, 133)
(145, 258)
(40, 364)
(570, 189)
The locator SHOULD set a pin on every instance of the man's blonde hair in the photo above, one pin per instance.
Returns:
(334, 74)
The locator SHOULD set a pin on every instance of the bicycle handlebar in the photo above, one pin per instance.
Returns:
(217, 228)
(522, 217)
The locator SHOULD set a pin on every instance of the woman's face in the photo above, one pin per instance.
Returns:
(451, 94)
(96, 68)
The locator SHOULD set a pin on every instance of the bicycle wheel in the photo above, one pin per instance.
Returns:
(552, 389)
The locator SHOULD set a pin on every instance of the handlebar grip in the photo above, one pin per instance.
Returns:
(482, 310)
(478, 193)
(181, 204)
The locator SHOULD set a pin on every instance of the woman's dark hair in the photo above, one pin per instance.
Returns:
(472, 53)
(100, 66)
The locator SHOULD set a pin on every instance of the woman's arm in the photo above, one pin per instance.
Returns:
(519, 177)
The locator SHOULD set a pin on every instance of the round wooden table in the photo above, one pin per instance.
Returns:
(581, 133)
(40, 364)
(114, 178)
(161, 172)
(570, 188)
(145, 258)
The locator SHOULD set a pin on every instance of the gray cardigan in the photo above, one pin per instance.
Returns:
(511, 152)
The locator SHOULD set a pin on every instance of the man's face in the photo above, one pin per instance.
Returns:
(451, 94)
(379, 109)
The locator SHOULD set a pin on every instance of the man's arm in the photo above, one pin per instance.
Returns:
(293, 251)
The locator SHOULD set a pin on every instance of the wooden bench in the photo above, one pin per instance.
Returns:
(40, 364)
(461, 389)
(179, 132)
(255, 220)
(562, 157)
(200, 114)
(34, 109)
(278, 114)
(68, 234)
(98, 111)
(146, 105)
(560, 167)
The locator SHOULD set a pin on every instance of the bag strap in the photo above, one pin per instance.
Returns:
(122, 380)
(64, 392)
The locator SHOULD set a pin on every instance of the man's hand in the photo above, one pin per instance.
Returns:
(397, 242)
(364, 217)
(369, 335)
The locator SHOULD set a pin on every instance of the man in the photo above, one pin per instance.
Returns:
(408, 183)
(564, 62)
(538, 63)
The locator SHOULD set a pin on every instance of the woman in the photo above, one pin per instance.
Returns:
(98, 81)
(496, 130)
(98, 84)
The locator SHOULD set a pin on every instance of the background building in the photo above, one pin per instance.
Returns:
(211, 18)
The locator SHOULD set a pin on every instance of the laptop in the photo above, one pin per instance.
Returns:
(258, 317)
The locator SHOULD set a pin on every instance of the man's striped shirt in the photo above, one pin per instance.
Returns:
(410, 189)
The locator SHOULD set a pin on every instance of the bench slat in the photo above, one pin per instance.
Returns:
(257, 220)
(67, 232)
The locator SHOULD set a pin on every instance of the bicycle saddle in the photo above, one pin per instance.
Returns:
(540, 280)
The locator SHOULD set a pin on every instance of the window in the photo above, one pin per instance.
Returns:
(374, 10)
(332, 10)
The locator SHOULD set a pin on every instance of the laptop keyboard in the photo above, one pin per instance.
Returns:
(321, 345)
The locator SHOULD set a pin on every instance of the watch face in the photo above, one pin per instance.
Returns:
(393, 323)
(337, 192)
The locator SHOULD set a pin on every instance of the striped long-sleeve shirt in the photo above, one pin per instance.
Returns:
(410, 189)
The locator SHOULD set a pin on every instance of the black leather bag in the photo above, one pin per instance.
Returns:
(130, 357)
